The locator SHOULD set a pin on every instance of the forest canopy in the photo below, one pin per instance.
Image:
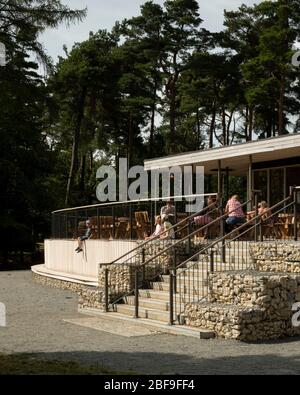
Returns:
(156, 84)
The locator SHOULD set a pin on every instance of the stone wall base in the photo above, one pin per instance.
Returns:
(56, 283)
(238, 322)
(89, 297)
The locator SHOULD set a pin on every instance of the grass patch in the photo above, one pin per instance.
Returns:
(21, 364)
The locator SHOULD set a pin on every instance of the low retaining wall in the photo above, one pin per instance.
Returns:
(56, 283)
(248, 305)
(183, 250)
(89, 297)
(276, 257)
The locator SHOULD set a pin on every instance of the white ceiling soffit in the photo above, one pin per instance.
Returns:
(270, 149)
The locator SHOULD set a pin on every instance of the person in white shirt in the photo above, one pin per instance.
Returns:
(169, 212)
(168, 229)
(158, 228)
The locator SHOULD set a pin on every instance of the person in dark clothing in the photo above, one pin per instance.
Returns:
(88, 234)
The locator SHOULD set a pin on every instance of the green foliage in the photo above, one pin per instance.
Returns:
(155, 84)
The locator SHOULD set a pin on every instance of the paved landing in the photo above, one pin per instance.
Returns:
(113, 326)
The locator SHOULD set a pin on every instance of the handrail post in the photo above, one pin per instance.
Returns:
(143, 266)
(131, 221)
(136, 293)
(114, 222)
(295, 215)
(222, 231)
(257, 221)
(174, 269)
(106, 289)
(261, 235)
(212, 256)
(171, 299)
(189, 239)
(98, 223)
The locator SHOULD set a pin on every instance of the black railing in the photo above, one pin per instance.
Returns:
(158, 254)
(131, 220)
(280, 223)
(189, 259)
(169, 255)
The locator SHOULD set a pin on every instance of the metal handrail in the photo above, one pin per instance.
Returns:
(190, 235)
(223, 238)
(110, 204)
(173, 245)
(176, 277)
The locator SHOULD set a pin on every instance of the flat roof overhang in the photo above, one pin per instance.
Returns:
(235, 157)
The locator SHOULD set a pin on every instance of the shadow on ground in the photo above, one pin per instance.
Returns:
(163, 363)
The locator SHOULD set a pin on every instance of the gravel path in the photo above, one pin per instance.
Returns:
(35, 325)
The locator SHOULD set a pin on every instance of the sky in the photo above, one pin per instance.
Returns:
(102, 14)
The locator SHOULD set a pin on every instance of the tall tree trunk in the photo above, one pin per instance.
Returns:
(171, 90)
(91, 162)
(75, 147)
(247, 124)
(173, 116)
(251, 119)
(153, 112)
(228, 128)
(224, 126)
(212, 127)
(281, 126)
(198, 129)
(130, 140)
(82, 174)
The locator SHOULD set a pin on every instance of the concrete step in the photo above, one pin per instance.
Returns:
(165, 287)
(156, 294)
(148, 303)
(188, 278)
(160, 326)
(218, 266)
(157, 315)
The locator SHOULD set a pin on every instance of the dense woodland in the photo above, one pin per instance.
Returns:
(154, 85)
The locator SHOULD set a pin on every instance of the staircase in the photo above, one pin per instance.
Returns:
(154, 302)
(162, 304)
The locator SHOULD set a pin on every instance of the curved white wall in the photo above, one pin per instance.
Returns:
(60, 255)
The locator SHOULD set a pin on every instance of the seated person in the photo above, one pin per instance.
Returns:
(168, 211)
(158, 228)
(264, 212)
(206, 218)
(235, 212)
(88, 234)
(167, 229)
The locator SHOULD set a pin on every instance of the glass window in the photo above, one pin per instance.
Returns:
(261, 183)
(293, 178)
(276, 186)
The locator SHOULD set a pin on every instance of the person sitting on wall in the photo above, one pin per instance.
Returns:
(167, 229)
(168, 211)
(158, 228)
(235, 212)
(88, 234)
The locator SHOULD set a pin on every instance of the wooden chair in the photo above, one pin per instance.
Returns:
(143, 226)
(182, 229)
(281, 227)
(106, 227)
(123, 229)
